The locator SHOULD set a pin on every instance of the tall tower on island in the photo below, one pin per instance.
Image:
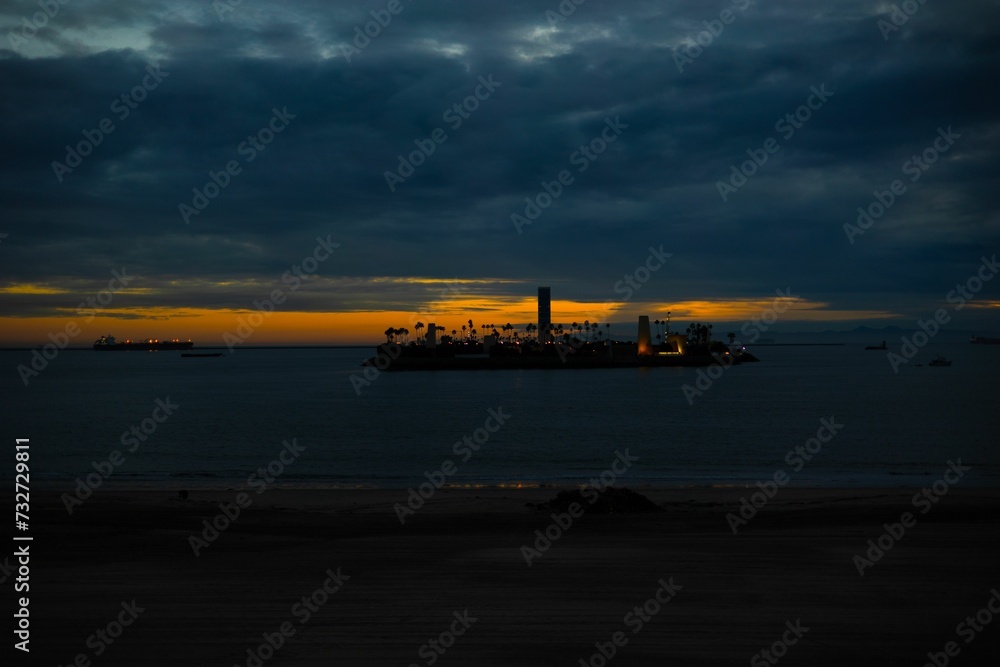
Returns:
(544, 313)
(644, 339)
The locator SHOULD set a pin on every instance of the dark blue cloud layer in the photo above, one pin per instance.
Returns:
(657, 184)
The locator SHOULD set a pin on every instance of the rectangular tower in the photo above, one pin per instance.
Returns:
(644, 339)
(544, 313)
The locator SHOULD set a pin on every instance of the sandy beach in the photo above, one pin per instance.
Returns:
(333, 577)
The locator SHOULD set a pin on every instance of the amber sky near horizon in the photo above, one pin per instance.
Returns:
(269, 326)
(637, 157)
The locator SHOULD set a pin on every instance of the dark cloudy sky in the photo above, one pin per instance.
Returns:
(323, 175)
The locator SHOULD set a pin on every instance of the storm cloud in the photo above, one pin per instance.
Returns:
(695, 89)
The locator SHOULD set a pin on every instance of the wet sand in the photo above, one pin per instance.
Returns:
(732, 595)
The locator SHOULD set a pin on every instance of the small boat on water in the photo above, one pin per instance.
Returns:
(939, 361)
(983, 340)
(878, 347)
(201, 354)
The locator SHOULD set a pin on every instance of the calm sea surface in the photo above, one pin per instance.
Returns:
(235, 411)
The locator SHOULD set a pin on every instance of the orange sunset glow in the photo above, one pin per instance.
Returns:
(206, 327)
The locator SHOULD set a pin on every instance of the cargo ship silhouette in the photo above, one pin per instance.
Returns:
(109, 344)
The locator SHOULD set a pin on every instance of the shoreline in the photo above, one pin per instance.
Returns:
(286, 496)
(464, 550)
(906, 481)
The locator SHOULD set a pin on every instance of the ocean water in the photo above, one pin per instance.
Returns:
(234, 412)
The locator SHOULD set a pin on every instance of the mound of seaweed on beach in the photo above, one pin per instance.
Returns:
(610, 500)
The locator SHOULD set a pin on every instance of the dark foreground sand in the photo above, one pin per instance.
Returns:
(462, 551)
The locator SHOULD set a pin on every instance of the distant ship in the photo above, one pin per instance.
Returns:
(939, 361)
(108, 344)
(877, 347)
(983, 340)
